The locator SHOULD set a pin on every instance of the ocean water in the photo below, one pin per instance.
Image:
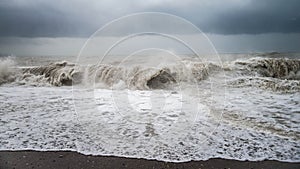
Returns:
(245, 107)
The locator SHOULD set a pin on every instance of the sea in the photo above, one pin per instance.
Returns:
(177, 109)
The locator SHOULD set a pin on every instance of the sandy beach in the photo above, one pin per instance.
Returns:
(65, 159)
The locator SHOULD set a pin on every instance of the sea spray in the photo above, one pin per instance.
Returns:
(8, 72)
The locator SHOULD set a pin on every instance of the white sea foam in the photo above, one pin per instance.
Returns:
(269, 131)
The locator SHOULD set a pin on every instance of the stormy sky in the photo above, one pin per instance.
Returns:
(225, 21)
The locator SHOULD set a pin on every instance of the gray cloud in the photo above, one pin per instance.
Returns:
(260, 16)
(79, 18)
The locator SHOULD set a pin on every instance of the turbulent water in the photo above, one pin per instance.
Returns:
(246, 108)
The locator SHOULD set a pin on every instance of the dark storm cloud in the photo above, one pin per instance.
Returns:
(259, 16)
(39, 19)
(76, 18)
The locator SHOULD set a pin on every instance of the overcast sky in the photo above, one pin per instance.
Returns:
(219, 18)
(73, 18)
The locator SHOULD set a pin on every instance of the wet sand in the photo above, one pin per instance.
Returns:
(73, 160)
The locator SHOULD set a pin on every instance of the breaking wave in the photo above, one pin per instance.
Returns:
(281, 68)
(56, 74)
(276, 74)
(137, 77)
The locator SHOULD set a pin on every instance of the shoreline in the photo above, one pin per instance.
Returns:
(26, 159)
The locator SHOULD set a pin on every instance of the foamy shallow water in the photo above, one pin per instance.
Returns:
(263, 126)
